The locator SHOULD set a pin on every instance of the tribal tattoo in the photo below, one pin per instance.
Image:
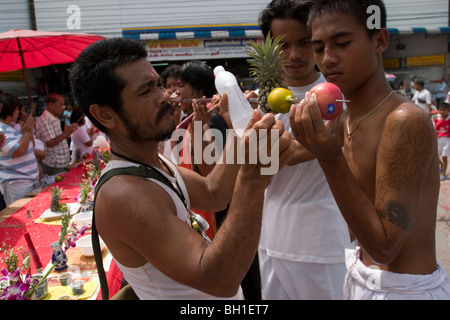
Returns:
(405, 151)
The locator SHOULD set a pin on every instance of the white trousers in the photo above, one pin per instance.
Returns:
(444, 146)
(290, 280)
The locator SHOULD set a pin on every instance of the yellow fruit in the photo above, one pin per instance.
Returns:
(278, 100)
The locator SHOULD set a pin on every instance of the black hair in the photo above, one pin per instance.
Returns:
(283, 9)
(420, 83)
(77, 116)
(200, 77)
(9, 104)
(93, 77)
(356, 8)
(444, 105)
(173, 70)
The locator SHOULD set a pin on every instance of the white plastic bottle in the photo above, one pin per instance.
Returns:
(239, 108)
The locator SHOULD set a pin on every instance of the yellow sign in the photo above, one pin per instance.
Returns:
(174, 44)
(11, 76)
(425, 61)
(391, 63)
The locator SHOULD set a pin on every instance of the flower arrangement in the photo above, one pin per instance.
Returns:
(90, 178)
(86, 192)
(91, 174)
(67, 239)
(16, 283)
(16, 286)
(11, 259)
(105, 155)
(69, 231)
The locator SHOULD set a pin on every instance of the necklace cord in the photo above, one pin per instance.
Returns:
(350, 132)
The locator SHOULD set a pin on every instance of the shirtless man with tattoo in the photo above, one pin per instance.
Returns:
(386, 179)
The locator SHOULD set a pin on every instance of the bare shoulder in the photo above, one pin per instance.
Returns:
(409, 121)
(406, 110)
(408, 145)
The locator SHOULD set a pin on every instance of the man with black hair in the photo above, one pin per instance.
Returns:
(422, 97)
(147, 224)
(48, 130)
(386, 179)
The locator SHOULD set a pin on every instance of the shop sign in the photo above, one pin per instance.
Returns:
(421, 61)
(391, 63)
(187, 49)
(11, 76)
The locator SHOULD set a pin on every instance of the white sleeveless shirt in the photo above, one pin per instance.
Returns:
(299, 205)
(147, 281)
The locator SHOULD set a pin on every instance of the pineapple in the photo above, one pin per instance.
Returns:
(267, 68)
(56, 197)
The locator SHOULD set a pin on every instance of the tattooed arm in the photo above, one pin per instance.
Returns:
(378, 183)
(405, 159)
(403, 162)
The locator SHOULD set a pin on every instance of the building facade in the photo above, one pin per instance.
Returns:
(216, 32)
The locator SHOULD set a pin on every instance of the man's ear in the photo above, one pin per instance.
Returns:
(381, 40)
(104, 115)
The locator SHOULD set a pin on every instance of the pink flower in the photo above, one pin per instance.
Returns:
(17, 288)
(11, 276)
(15, 292)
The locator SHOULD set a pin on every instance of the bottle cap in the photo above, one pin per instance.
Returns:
(218, 69)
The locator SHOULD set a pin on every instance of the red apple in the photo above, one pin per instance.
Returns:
(329, 97)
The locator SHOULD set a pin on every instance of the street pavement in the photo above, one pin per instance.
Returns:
(443, 227)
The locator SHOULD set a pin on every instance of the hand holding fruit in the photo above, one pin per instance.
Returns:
(323, 141)
(329, 98)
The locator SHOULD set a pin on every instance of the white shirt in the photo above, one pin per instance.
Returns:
(301, 221)
(24, 167)
(79, 137)
(147, 281)
(422, 99)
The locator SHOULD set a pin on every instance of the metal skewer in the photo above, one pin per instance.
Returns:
(298, 100)
(183, 124)
(251, 100)
(201, 100)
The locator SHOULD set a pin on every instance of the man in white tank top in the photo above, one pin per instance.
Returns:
(145, 225)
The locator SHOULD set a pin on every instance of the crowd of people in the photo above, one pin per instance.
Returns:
(34, 150)
(349, 215)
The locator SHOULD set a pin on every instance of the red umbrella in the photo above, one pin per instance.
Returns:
(23, 49)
